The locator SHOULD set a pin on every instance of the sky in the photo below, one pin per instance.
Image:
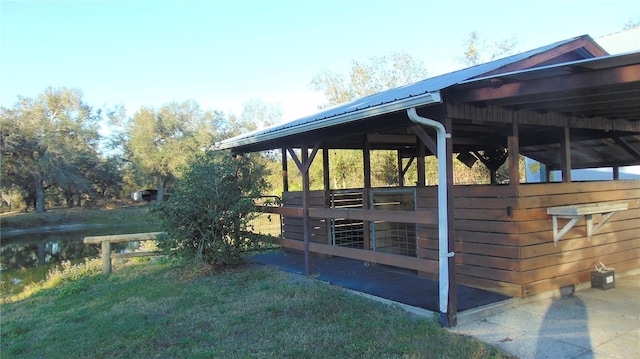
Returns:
(223, 54)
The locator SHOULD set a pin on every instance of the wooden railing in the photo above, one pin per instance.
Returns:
(105, 242)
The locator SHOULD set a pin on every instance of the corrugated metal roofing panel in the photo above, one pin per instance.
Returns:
(621, 42)
(364, 107)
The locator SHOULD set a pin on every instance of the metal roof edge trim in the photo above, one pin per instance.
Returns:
(428, 98)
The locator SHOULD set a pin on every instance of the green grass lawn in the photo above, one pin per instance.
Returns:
(159, 309)
(60, 216)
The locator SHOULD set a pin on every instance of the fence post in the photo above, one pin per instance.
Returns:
(106, 256)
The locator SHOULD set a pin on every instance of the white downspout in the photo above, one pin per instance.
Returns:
(443, 233)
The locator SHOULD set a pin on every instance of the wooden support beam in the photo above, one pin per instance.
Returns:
(406, 167)
(452, 305)
(425, 138)
(285, 173)
(422, 166)
(400, 169)
(366, 157)
(327, 185)
(627, 147)
(507, 93)
(305, 208)
(325, 170)
(390, 139)
(513, 144)
(565, 155)
(303, 166)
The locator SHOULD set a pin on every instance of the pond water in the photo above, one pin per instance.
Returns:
(26, 258)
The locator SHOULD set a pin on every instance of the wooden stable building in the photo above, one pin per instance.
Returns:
(568, 105)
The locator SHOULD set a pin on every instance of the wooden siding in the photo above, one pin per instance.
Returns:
(544, 266)
(292, 225)
(504, 237)
(487, 253)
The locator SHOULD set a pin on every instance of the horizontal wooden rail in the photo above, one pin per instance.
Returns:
(105, 242)
(122, 238)
(416, 217)
(419, 264)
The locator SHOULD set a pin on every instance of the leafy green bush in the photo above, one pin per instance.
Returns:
(207, 215)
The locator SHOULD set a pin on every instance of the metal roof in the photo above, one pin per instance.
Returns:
(421, 93)
(621, 42)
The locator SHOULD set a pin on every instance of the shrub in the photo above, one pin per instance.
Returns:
(207, 215)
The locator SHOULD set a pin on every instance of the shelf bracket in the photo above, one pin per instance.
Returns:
(575, 213)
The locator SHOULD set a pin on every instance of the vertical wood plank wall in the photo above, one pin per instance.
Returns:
(504, 237)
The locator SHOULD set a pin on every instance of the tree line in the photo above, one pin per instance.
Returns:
(54, 152)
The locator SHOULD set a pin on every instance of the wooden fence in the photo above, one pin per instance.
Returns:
(503, 234)
(105, 243)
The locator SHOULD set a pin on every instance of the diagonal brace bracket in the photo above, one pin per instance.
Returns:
(576, 212)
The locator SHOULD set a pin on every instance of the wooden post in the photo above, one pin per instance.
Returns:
(366, 225)
(326, 176)
(305, 211)
(565, 155)
(513, 144)
(547, 174)
(106, 256)
(285, 173)
(421, 164)
(452, 305)
(400, 169)
(327, 188)
(303, 167)
(366, 156)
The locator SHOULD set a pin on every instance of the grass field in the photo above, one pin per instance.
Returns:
(60, 216)
(165, 309)
(160, 309)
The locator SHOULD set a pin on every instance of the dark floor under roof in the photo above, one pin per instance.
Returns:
(390, 283)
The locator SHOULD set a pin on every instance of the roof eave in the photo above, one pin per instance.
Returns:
(246, 140)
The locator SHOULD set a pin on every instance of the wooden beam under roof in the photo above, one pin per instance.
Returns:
(537, 87)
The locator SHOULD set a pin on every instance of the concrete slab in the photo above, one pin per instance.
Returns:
(590, 324)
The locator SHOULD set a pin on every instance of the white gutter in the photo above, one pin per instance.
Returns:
(443, 233)
(297, 127)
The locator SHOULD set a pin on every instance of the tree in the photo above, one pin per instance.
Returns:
(207, 217)
(478, 50)
(256, 114)
(107, 177)
(631, 24)
(366, 78)
(46, 141)
(160, 142)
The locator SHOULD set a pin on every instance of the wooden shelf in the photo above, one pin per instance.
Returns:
(576, 212)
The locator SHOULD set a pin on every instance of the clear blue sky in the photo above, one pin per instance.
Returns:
(225, 53)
